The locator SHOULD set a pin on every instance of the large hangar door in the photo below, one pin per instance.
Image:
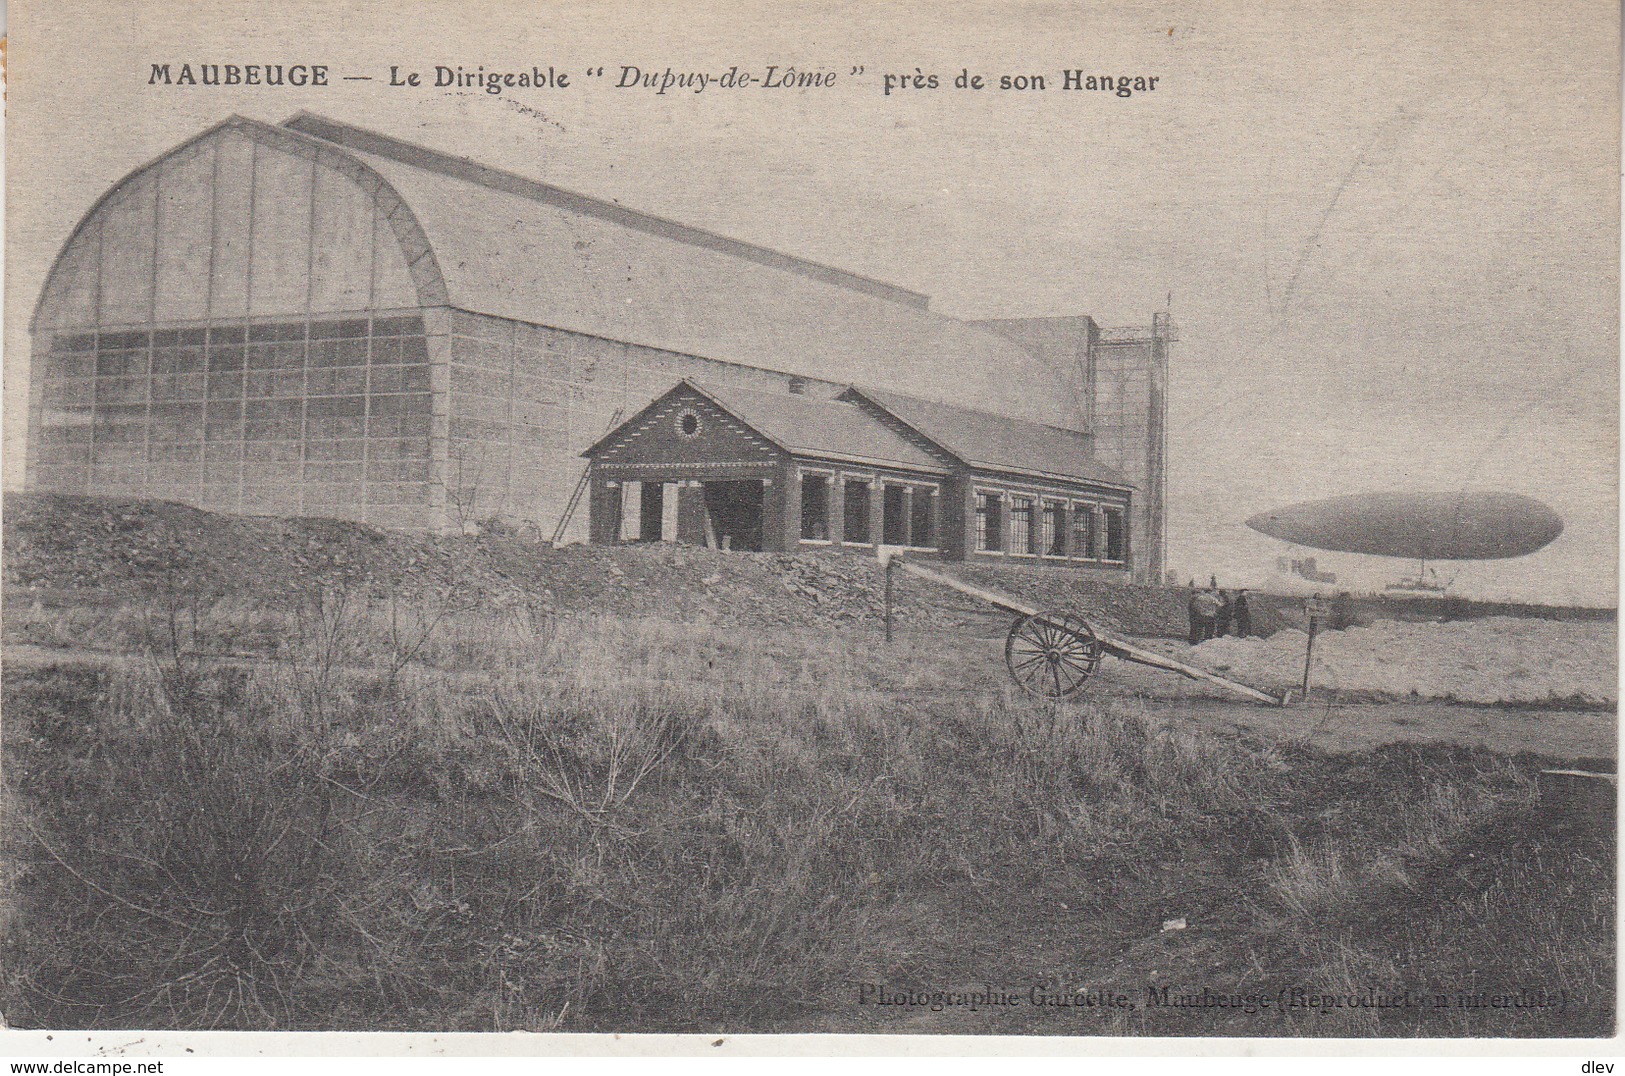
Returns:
(735, 509)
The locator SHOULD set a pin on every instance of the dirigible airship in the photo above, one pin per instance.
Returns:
(1417, 526)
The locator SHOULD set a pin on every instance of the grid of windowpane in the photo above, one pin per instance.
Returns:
(1021, 525)
(989, 524)
(1083, 531)
(1054, 530)
(264, 416)
(814, 508)
(855, 512)
(1114, 534)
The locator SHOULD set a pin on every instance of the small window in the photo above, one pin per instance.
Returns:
(989, 523)
(1021, 525)
(1115, 534)
(856, 522)
(814, 508)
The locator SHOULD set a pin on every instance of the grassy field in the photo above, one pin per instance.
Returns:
(356, 813)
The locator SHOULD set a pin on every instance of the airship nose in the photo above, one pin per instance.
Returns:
(1264, 522)
(1550, 529)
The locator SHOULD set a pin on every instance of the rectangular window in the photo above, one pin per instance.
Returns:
(350, 353)
(814, 508)
(893, 521)
(386, 351)
(228, 357)
(1083, 531)
(1054, 529)
(225, 422)
(1021, 525)
(856, 528)
(989, 523)
(227, 386)
(920, 535)
(1115, 534)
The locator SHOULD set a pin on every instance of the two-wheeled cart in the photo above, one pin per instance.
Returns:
(1053, 655)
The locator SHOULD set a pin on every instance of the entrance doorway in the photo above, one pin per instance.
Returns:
(735, 511)
(648, 511)
(652, 504)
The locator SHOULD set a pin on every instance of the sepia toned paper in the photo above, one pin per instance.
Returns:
(1063, 302)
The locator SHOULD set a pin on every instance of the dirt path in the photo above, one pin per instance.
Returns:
(1563, 733)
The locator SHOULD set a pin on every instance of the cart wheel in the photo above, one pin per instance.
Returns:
(1052, 655)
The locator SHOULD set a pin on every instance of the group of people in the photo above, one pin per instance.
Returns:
(1214, 612)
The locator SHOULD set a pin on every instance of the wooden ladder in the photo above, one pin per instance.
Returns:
(581, 487)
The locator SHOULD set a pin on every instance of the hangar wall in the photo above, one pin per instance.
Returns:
(526, 401)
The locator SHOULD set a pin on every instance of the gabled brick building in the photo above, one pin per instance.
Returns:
(744, 469)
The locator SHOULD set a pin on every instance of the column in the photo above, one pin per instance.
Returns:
(877, 511)
(837, 509)
(603, 512)
(785, 529)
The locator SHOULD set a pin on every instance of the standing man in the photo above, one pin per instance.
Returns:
(1221, 624)
(1205, 611)
(1241, 617)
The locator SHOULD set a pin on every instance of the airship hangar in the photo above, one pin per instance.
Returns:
(316, 319)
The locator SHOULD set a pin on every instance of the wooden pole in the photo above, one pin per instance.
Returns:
(890, 567)
(1309, 654)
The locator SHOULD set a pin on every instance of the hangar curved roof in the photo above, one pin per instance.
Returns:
(368, 218)
(516, 248)
(243, 219)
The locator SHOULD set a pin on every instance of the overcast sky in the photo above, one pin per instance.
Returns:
(1389, 230)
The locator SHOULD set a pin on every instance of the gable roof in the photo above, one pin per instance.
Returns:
(992, 442)
(804, 426)
(816, 426)
(515, 248)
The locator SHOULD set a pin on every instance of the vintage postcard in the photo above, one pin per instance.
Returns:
(996, 518)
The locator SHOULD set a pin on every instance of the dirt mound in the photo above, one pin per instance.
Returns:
(69, 549)
(91, 544)
(1491, 660)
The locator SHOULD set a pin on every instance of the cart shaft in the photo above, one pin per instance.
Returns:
(1112, 645)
